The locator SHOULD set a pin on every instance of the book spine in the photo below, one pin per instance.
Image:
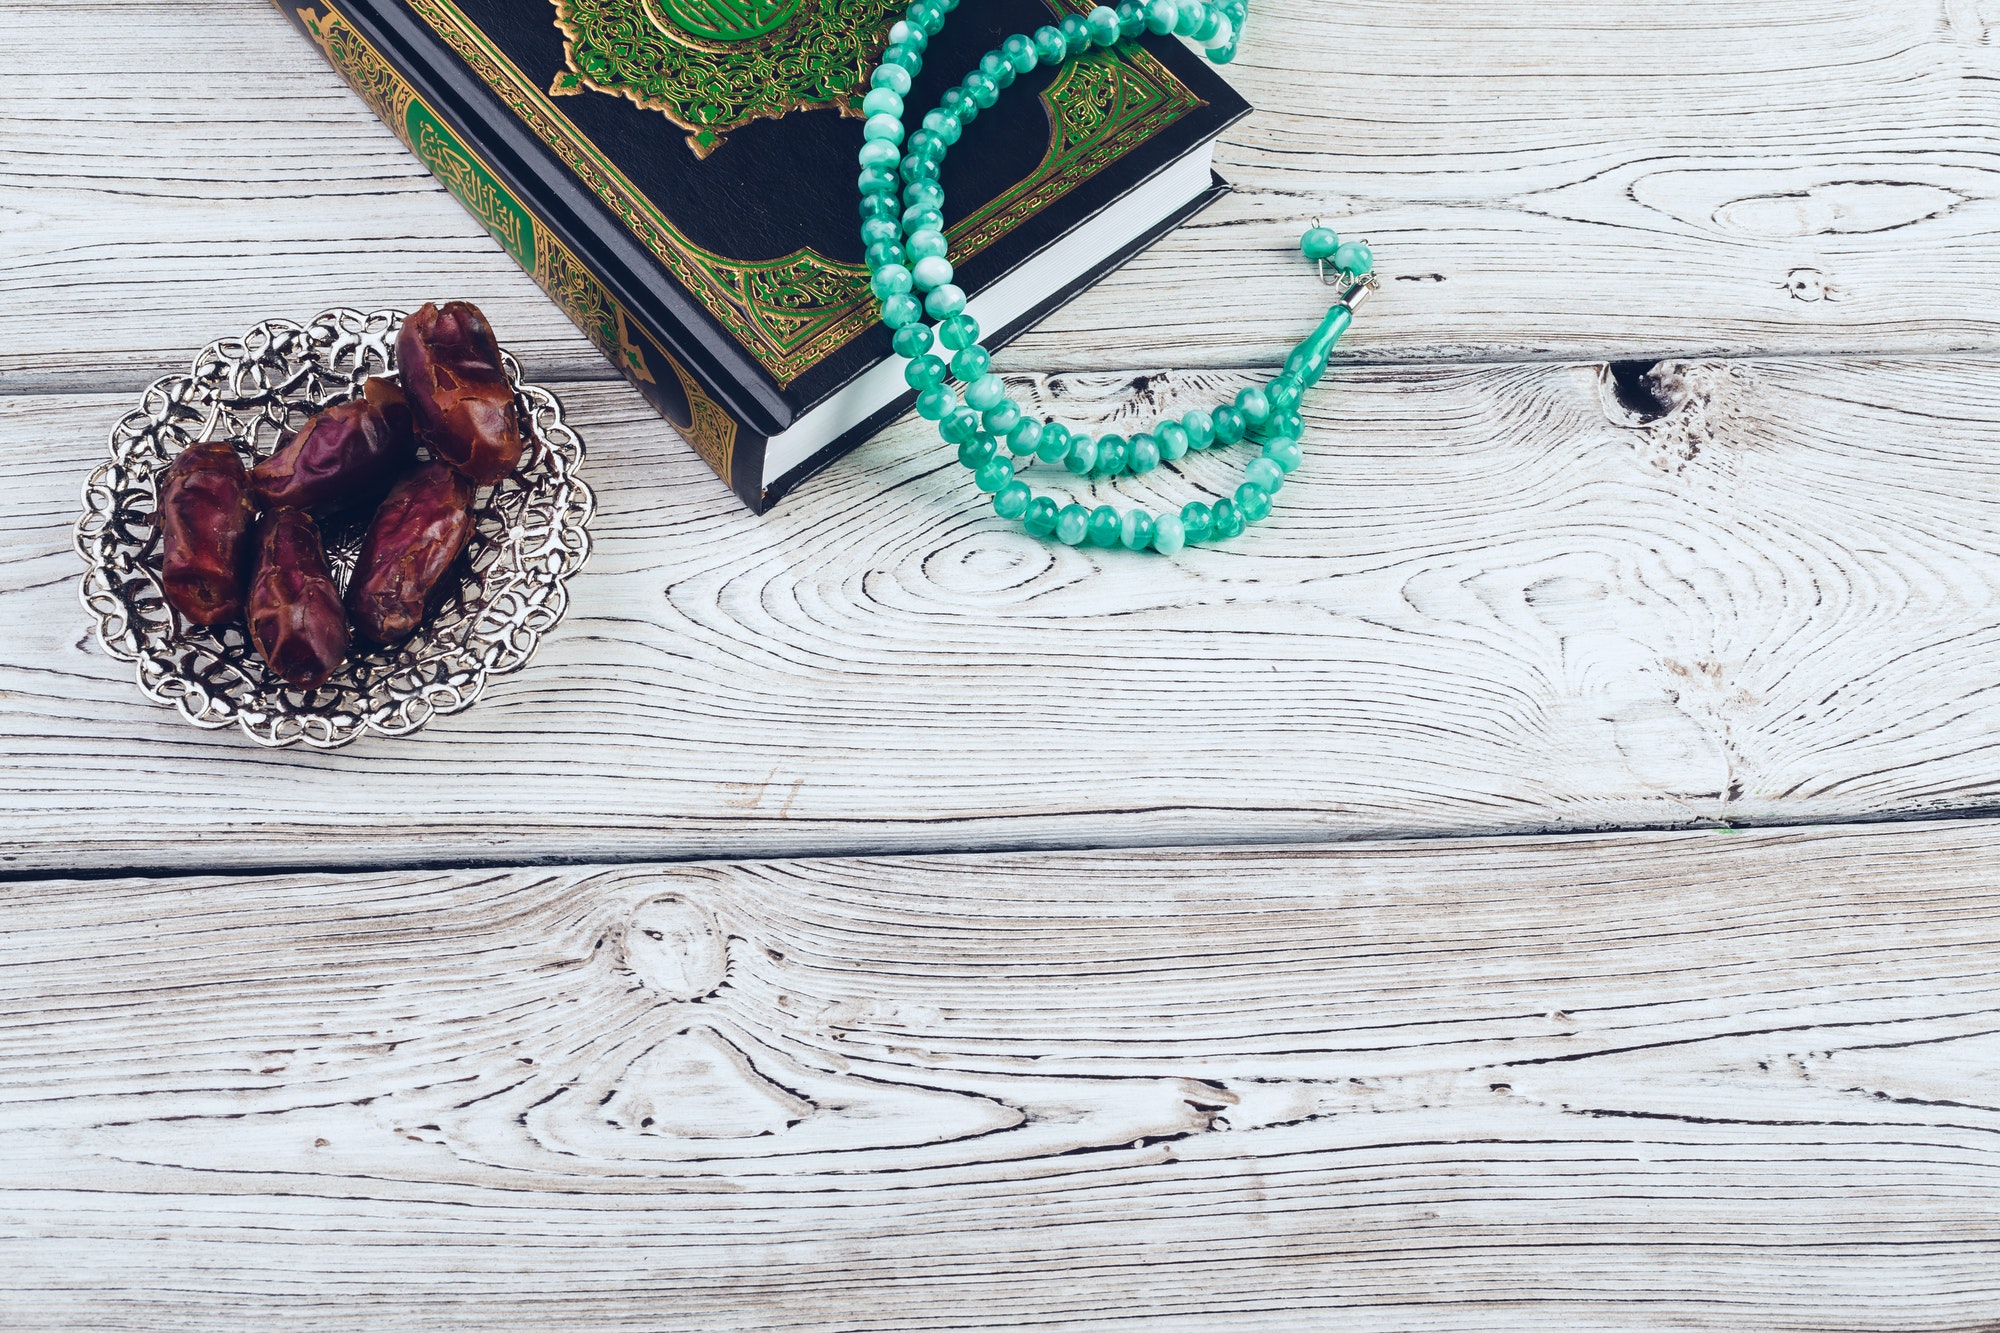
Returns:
(638, 352)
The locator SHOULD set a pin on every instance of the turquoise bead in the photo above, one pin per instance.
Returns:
(1319, 243)
(1225, 521)
(1104, 526)
(1253, 404)
(1285, 426)
(986, 392)
(959, 332)
(1082, 456)
(1229, 425)
(995, 472)
(1284, 393)
(918, 218)
(1113, 454)
(912, 340)
(1355, 259)
(1252, 503)
(1103, 22)
(976, 452)
(959, 425)
(960, 104)
(929, 243)
(904, 33)
(1135, 530)
(1050, 45)
(926, 372)
(1161, 15)
(1193, 14)
(1002, 419)
(1169, 534)
(933, 404)
(1285, 453)
(1023, 439)
(1040, 518)
(1264, 474)
(905, 58)
(926, 145)
(1072, 524)
(970, 364)
(877, 180)
(980, 89)
(893, 77)
(1054, 444)
(927, 15)
(887, 128)
(1076, 32)
(875, 231)
(882, 255)
(1145, 454)
(945, 301)
(1200, 426)
(1173, 438)
(902, 310)
(883, 102)
(944, 125)
(1131, 18)
(917, 169)
(875, 206)
(1020, 52)
(923, 194)
(1011, 500)
(995, 66)
(1195, 520)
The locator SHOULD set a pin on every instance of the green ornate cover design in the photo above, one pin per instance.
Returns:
(792, 312)
(711, 66)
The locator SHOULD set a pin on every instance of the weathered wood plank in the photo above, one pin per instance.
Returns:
(1541, 179)
(1492, 600)
(1695, 1081)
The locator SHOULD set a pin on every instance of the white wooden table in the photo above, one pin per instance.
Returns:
(1544, 877)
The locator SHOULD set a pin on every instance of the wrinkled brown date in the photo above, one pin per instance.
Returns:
(205, 520)
(295, 615)
(345, 455)
(458, 390)
(416, 535)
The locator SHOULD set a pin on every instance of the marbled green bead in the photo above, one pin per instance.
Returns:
(877, 180)
(959, 102)
(944, 302)
(912, 340)
(1355, 259)
(1195, 520)
(893, 77)
(1253, 503)
(1229, 425)
(980, 89)
(925, 372)
(1306, 364)
(927, 195)
(884, 127)
(1200, 426)
(1103, 22)
(1113, 454)
(1050, 45)
(1265, 475)
(1025, 437)
(1284, 393)
(1002, 419)
(926, 244)
(1285, 453)
(1076, 33)
(1173, 438)
(1131, 18)
(929, 17)
(970, 363)
(944, 125)
(994, 473)
(905, 33)
(995, 66)
(1214, 28)
(959, 425)
(926, 145)
(883, 102)
(874, 231)
(1169, 534)
(1285, 426)
(1011, 500)
(918, 218)
(1082, 455)
(934, 403)
(986, 392)
(1319, 243)
(916, 169)
(1054, 444)
(976, 452)
(902, 310)
(1253, 404)
(1161, 15)
(1072, 524)
(1135, 530)
(906, 57)
(881, 256)
(1040, 518)
(876, 206)
(959, 332)
(1225, 521)
(1320, 343)
(1104, 526)
(1193, 14)
(931, 273)
(1020, 52)
(1145, 455)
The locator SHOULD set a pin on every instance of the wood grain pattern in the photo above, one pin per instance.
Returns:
(1493, 600)
(1719, 177)
(1695, 1081)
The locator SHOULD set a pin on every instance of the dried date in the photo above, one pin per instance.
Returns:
(295, 616)
(458, 390)
(422, 525)
(205, 520)
(345, 455)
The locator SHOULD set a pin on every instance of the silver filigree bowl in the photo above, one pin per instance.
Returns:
(531, 534)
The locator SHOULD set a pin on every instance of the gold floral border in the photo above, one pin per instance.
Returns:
(791, 313)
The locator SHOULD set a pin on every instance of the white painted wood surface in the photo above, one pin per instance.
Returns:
(1718, 1080)
(1713, 1081)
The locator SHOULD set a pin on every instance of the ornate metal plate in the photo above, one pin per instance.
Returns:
(530, 536)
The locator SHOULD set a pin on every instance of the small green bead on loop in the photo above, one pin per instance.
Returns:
(1319, 243)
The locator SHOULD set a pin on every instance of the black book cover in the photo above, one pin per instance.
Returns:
(683, 183)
